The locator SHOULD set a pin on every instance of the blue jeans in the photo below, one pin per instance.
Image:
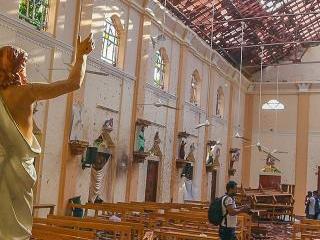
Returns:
(227, 233)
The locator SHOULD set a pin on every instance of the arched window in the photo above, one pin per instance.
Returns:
(220, 103)
(195, 87)
(34, 12)
(159, 70)
(273, 104)
(110, 48)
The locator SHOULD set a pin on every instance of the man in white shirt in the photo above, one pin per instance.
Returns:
(227, 230)
(312, 207)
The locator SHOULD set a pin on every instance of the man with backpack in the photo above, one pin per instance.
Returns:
(223, 212)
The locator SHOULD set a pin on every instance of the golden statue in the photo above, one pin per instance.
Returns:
(19, 145)
(156, 150)
(270, 165)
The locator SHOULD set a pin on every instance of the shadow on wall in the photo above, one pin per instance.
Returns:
(123, 161)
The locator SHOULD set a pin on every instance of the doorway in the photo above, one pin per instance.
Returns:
(213, 185)
(152, 181)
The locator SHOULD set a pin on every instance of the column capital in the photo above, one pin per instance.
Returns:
(303, 87)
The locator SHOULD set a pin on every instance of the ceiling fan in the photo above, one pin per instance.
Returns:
(69, 66)
(266, 150)
(238, 136)
(159, 104)
(205, 124)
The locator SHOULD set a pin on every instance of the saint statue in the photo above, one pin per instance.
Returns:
(182, 152)
(210, 155)
(213, 155)
(20, 147)
(98, 171)
(193, 98)
(156, 150)
(141, 140)
(270, 165)
(190, 157)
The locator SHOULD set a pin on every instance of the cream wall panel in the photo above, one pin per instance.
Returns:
(314, 114)
(292, 73)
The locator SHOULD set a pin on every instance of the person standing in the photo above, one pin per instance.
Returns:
(316, 205)
(311, 207)
(227, 229)
(306, 203)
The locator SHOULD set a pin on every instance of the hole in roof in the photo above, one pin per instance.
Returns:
(271, 6)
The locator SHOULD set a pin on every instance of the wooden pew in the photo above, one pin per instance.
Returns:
(49, 235)
(136, 228)
(306, 231)
(174, 215)
(124, 232)
(168, 235)
(44, 206)
(39, 228)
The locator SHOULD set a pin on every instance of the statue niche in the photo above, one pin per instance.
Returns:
(213, 155)
(182, 138)
(101, 152)
(139, 153)
(235, 156)
(77, 145)
(156, 150)
(190, 157)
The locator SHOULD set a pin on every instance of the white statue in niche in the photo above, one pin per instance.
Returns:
(220, 103)
(193, 98)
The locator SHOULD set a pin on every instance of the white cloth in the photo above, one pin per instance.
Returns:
(312, 206)
(77, 123)
(96, 183)
(231, 220)
(17, 178)
(188, 194)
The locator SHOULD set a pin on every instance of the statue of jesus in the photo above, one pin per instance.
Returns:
(19, 145)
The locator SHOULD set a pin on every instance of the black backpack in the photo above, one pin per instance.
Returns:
(215, 213)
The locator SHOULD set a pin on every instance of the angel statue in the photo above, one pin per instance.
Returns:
(17, 96)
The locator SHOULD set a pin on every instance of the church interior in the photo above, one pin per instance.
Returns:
(179, 97)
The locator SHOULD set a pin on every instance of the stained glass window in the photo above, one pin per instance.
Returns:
(110, 46)
(159, 71)
(34, 12)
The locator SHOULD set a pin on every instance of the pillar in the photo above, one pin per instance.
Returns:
(246, 157)
(302, 140)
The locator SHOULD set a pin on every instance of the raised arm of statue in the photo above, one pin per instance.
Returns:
(43, 91)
